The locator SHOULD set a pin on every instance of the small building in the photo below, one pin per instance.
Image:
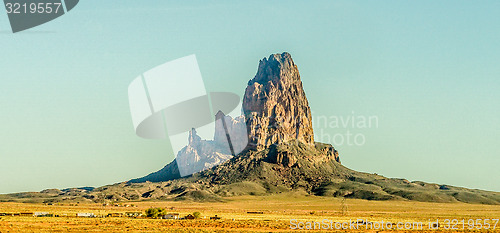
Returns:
(133, 214)
(114, 215)
(42, 214)
(189, 216)
(86, 215)
(171, 216)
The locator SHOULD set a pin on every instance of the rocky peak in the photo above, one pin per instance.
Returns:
(219, 115)
(193, 140)
(272, 69)
(275, 104)
(229, 139)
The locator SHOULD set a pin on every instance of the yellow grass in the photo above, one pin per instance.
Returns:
(277, 210)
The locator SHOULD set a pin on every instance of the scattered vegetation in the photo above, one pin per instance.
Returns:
(275, 212)
(155, 212)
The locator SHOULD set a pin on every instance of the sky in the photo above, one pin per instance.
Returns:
(427, 71)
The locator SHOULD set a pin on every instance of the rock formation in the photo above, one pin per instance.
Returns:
(230, 133)
(276, 115)
(199, 155)
(275, 104)
(230, 138)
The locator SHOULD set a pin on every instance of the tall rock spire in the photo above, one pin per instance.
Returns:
(275, 104)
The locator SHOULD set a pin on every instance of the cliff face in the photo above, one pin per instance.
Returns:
(275, 104)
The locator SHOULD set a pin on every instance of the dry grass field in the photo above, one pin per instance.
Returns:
(273, 213)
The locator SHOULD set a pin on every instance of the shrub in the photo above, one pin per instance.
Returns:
(197, 215)
(155, 212)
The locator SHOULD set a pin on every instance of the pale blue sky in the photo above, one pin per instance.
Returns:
(428, 70)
